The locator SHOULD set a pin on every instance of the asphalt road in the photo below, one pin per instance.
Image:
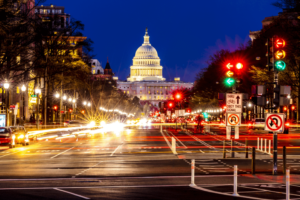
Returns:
(138, 164)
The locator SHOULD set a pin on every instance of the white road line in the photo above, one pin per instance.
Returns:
(71, 193)
(62, 152)
(178, 139)
(116, 149)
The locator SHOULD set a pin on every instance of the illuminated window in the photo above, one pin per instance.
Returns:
(127, 92)
(94, 71)
(149, 97)
(140, 92)
(18, 90)
(18, 60)
(124, 92)
(165, 87)
(140, 86)
(149, 92)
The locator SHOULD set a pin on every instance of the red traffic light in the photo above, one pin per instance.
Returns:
(170, 104)
(239, 65)
(279, 43)
(188, 110)
(224, 107)
(55, 107)
(178, 96)
(70, 110)
(284, 108)
(293, 107)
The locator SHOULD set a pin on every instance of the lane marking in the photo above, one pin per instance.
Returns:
(116, 149)
(62, 152)
(177, 139)
(71, 193)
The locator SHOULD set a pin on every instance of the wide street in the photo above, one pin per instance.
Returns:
(138, 163)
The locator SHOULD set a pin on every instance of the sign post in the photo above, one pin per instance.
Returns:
(275, 123)
(234, 106)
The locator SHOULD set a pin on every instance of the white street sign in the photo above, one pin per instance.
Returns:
(234, 103)
(181, 113)
(168, 112)
(274, 122)
(233, 119)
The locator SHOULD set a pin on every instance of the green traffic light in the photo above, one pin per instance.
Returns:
(229, 81)
(280, 65)
(205, 115)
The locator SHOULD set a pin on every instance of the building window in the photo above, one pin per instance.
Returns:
(94, 71)
(59, 11)
(140, 86)
(36, 10)
(140, 92)
(53, 11)
(124, 92)
(127, 92)
(48, 11)
(18, 60)
(18, 90)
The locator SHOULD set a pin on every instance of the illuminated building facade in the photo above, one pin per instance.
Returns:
(146, 79)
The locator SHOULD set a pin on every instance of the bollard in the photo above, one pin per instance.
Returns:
(284, 159)
(269, 146)
(174, 145)
(287, 184)
(253, 161)
(235, 182)
(224, 152)
(262, 144)
(246, 148)
(258, 143)
(266, 145)
(193, 173)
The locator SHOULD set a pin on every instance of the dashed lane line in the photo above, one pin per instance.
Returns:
(61, 153)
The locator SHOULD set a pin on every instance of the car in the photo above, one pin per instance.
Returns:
(257, 123)
(14, 135)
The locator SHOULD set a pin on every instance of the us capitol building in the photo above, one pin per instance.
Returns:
(146, 79)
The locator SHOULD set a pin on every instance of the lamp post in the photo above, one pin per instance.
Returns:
(38, 92)
(6, 86)
(23, 88)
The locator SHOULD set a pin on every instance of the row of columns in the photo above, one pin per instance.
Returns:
(146, 72)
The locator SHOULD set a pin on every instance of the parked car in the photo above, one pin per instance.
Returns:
(14, 135)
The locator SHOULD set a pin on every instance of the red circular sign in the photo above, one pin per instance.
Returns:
(235, 121)
(278, 126)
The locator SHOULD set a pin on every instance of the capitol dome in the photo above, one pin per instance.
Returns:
(146, 63)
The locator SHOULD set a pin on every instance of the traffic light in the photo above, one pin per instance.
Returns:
(170, 104)
(229, 81)
(279, 54)
(239, 66)
(205, 115)
(83, 112)
(188, 110)
(293, 107)
(284, 108)
(70, 110)
(55, 108)
(178, 96)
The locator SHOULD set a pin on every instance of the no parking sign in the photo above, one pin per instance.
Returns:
(274, 122)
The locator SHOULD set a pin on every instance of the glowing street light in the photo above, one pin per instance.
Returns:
(57, 95)
(84, 103)
(64, 97)
(23, 88)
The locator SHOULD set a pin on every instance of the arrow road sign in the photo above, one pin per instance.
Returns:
(238, 99)
(274, 122)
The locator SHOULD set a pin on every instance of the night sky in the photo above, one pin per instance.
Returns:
(184, 33)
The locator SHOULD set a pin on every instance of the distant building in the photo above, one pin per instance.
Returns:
(55, 17)
(146, 79)
(106, 74)
(96, 67)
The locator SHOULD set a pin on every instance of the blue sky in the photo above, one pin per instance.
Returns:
(184, 33)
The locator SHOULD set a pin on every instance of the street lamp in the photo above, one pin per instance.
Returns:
(23, 88)
(6, 86)
(64, 97)
(89, 104)
(57, 95)
(38, 92)
(70, 99)
(84, 103)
